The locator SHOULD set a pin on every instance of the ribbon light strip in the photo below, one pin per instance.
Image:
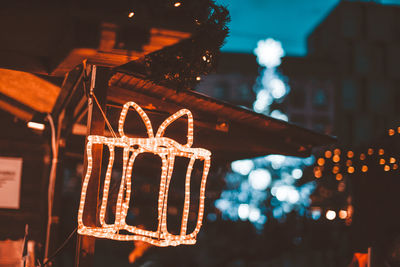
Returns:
(167, 149)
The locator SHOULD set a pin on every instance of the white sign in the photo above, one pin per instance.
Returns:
(10, 182)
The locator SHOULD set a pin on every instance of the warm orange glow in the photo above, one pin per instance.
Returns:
(364, 168)
(336, 158)
(140, 248)
(342, 214)
(350, 154)
(362, 156)
(395, 166)
(391, 132)
(382, 161)
(321, 161)
(328, 154)
(336, 151)
(198, 78)
(335, 169)
(386, 168)
(360, 259)
(381, 151)
(131, 14)
(339, 176)
(392, 160)
(370, 151)
(341, 186)
(350, 169)
(317, 174)
(398, 129)
(159, 145)
(36, 126)
(177, 4)
(348, 163)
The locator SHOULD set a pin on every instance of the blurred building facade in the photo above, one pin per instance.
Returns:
(348, 84)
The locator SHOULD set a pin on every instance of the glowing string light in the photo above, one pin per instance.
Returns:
(350, 154)
(167, 149)
(364, 168)
(336, 158)
(330, 215)
(342, 214)
(387, 168)
(350, 169)
(328, 154)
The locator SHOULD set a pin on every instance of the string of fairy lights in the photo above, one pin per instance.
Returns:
(131, 13)
(340, 163)
(348, 162)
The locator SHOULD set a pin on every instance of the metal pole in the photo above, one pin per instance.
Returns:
(85, 246)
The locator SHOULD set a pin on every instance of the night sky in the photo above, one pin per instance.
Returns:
(289, 21)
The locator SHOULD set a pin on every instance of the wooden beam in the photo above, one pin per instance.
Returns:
(95, 125)
(29, 90)
(159, 38)
(16, 110)
(71, 82)
(281, 137)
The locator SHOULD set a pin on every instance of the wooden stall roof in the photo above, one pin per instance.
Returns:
(231, 132)
(22, 93)
(52, 37)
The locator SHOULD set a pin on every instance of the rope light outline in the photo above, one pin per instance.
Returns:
(167, 149)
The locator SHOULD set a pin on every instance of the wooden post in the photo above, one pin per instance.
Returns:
(370, 257)
(95, 126)
(62, 119)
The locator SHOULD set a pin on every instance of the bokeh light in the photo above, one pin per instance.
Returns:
(297, 173)
(269, 53)
(242, 166)
(243, 211)
(260, 179)
(330, 215)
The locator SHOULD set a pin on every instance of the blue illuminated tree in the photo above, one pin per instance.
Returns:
(264, 187)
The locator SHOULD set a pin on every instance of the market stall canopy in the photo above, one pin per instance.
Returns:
(231, 132)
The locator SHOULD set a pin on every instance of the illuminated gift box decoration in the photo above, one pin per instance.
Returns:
(167, 149)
